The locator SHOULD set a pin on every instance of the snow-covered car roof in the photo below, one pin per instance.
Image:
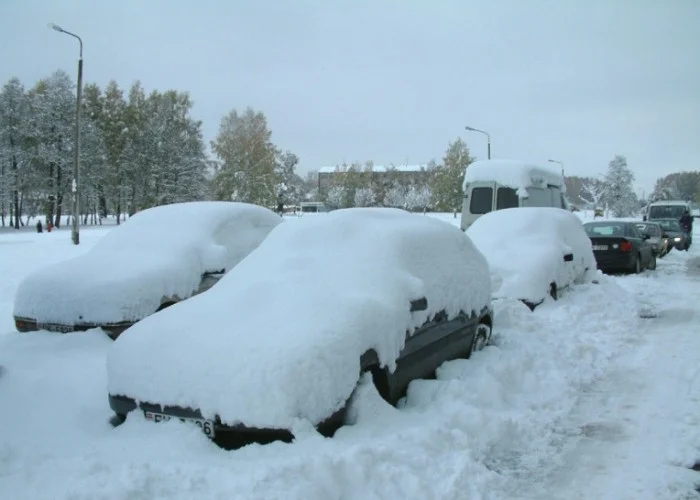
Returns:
(161, 252)
(525, 248)
(281, 336)
(514, 174)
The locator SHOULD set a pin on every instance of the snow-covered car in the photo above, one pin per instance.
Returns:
(287, 334)
(156, 258)
(533, 252)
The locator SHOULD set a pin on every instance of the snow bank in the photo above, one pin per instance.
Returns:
(513, 174)
(159, 253)
(281, 335)
(525, 248)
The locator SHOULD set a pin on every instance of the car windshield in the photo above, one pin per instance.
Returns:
(604, 229)
(666, 211)
(670, 225)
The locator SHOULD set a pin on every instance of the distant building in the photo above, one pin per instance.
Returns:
(406, 174)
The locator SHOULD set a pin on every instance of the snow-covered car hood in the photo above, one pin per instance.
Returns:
(525, 249)
(280, 337)
(160, 253)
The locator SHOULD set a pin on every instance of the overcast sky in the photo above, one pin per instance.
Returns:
(389, 81)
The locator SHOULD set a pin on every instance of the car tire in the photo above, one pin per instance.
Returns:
(637, 265)
(482, 336)
(652, 263)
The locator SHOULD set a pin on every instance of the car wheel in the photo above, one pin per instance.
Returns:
(652, 263)
(117, 419)
(481, 338)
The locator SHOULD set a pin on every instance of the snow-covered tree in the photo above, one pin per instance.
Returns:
(620, 196)
(14, 149)
(364, 197)
(592, 191)
(335, 196)
(418, 198)
(395, 196)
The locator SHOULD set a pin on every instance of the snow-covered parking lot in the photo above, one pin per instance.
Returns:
(596, 395)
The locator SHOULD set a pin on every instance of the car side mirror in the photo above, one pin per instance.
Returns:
(419, 304)
(646, 236)
(568, 257)
(664, 235)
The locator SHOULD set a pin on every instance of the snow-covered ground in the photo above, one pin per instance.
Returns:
(594, 396)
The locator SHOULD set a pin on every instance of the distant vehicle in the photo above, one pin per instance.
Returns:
(658, 242)
(533, 252)
(670, 209)
(312, 207)
(156, 258)
(247, 359)
(491, 185)
(677, 237)
(620, 246)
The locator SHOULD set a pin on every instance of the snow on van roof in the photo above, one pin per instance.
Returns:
(513, 173)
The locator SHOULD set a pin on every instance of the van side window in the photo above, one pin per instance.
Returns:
(482, 200)
(506, 198)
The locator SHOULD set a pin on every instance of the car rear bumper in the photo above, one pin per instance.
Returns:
(608, 261)
(227, 436)
(25, 325)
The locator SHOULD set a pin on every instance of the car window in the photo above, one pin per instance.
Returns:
(506, 198)
(666, 211)
(604, 229)
(633, 232)
(482, 200)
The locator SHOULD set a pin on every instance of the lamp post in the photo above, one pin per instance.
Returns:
(560, 163)
(75, 185)
(488, 139)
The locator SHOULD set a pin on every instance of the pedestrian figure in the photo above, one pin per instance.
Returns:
(39, 228)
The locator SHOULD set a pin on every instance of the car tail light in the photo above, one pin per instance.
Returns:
(625, 246)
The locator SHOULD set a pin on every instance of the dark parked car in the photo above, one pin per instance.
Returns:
(620, 246)
(657, 240)
(377, 295)
(677, 237)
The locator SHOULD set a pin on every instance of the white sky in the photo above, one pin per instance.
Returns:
(395, 80)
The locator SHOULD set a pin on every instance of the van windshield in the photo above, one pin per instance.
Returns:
(666, 211)
(506, 198)
(482, 200)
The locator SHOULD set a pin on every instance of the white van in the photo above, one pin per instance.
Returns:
(496, 184)
(668, 209)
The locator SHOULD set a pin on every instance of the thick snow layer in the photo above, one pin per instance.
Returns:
(525, 248)
(514, 174)
(281, 335)
(581, 399)
(159, 253)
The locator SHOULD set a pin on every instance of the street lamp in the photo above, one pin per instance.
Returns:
(560, 163)
(75, 234)
(488, 139)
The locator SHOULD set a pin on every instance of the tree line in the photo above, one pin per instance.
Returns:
(140, 150)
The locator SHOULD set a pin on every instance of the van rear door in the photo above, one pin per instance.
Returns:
(478, 200)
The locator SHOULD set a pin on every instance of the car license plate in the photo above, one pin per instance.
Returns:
(207, 426)
(600, 247)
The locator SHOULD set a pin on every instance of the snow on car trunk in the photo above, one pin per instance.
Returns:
(280, 337)
(159, 253)
(525, 248)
